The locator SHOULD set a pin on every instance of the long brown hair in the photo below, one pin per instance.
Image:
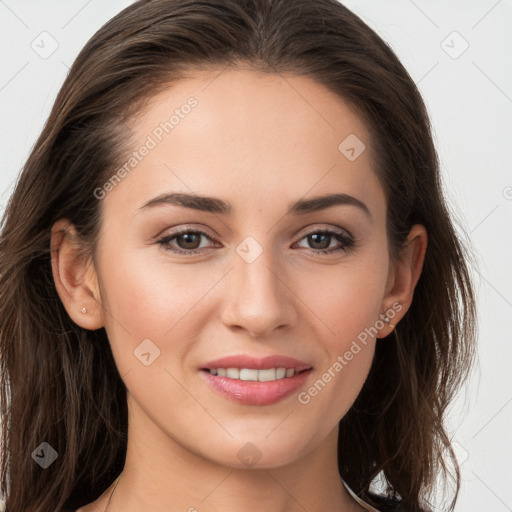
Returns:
(59, 382)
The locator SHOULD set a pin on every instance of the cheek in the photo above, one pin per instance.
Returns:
(347, 298)
(148, 293)
(348, 303)
(155, 300)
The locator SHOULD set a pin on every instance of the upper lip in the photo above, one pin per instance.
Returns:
(256, 363)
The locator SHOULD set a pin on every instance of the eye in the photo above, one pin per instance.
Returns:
(321, 241)
(186, 239)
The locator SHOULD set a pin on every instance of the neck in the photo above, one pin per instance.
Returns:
(159, 473)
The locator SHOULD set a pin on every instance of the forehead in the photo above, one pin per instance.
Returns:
(249, 134)
(261, 103)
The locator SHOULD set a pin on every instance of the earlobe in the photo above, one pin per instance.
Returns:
(75, 277)
(404, 276)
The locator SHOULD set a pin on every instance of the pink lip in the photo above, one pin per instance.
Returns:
(251, 392)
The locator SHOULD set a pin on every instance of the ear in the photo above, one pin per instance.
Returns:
(403, 277)
(75, 277)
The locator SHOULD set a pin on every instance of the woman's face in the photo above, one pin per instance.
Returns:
(258, 283)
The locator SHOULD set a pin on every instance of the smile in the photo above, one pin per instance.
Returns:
(250, 374)
(250, 380)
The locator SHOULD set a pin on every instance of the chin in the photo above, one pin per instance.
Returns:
(256, 453)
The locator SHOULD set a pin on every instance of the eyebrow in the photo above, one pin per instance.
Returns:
(219, 206)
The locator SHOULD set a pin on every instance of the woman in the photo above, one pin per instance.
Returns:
(228, 275)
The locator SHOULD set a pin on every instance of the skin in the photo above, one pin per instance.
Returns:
(260, 141)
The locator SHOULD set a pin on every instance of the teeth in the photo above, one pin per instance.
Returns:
(266, 375)
(233, 373)
(246, 374)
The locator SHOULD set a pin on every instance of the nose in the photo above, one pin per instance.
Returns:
(260, 299)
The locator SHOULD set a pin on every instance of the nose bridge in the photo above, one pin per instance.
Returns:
(258, 300)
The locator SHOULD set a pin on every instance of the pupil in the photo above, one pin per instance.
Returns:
(324, 235)
(189, 240)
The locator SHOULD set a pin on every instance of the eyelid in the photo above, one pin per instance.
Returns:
(344, 237)
(185, 228)
(328, 227)
(312, 229)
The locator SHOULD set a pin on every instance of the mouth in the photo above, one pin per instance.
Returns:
(254, 375)
(252, 381)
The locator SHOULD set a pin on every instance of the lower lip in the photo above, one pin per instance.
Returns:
(256, 393)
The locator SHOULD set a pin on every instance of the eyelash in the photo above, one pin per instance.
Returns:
(346, 240)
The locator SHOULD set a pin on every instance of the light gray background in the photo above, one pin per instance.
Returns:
(469, 96)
